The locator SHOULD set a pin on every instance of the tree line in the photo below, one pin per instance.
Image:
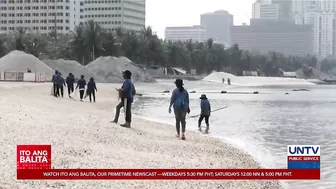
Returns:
(91, 41)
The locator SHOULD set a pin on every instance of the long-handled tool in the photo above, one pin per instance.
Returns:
(211, 111)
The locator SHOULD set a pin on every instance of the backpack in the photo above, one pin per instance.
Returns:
(180, 102)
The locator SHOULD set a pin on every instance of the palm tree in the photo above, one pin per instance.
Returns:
(77, 45)
(19, 39)
(3, 49)
(92, 38)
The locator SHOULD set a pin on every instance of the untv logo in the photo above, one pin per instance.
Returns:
(303, 150)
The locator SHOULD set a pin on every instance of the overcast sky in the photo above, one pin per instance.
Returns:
(163, 13)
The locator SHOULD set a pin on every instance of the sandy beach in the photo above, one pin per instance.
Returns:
(82, 136)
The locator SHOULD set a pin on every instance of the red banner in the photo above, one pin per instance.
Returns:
(304, 158)
(167, 174)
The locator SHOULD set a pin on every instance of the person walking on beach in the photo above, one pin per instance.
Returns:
(81, 85)
(180, 100)
(70, 80)
(205, 113)
(60, 83)
(91, 89)
(126, 94)
(54, 80)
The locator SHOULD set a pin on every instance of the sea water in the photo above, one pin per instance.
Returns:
(261, 124)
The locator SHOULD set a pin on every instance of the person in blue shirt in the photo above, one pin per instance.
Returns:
(121, 103)
(205, 113)
(70, 80)
(81, 83)
(60, 83)
(126, 94)
(180, 102)
(91, 89)
(55, 86)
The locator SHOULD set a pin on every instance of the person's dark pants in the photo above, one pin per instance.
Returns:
(202, 116)
(128, 117)
(93, 94)
(61, 90)
(118, 107)
(81, 94)
(55, 89)
(180, 117)
(70, 89)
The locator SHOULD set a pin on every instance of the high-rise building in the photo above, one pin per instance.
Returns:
(264, 9)
(37, 15)
(218, 26)
(272, 9)
(195, 33)
(44, 16)
(128, 14)
(320, 14)
(281, 36)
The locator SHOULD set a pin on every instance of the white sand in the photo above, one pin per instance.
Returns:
(70, 66)
(110, 68)
(18, 61)
(82, 137)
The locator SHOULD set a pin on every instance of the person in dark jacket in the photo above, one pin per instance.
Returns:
(60, 83)
(180, 100)
(91, 89)
(121, 104)
(81, 85)
(205, 113)
(70, 80)
(126, 93)
(54, 80)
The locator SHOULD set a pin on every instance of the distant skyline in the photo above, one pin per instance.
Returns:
(163, 13)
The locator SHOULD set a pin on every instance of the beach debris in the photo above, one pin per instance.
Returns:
(301, 90)
(286, 93)
(255, 92)
(223, 92)
(166, 91)
(192, 91)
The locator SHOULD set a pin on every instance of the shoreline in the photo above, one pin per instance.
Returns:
(221, 139)
(82, 136)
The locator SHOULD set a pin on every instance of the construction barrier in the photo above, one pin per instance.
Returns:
(20, 76)
(11, 76)
(29, 77)
(41, 77)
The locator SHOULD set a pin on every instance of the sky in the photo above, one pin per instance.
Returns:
(163, 13)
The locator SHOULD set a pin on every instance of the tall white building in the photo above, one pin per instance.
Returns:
(322, 15)
(37, 15)
(111, 14)
(44, 16)
(264, 9)
(195, 33)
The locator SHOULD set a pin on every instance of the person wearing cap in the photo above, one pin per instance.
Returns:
(81, 83)
(126, 93)
(180, 102)
(205, 112)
